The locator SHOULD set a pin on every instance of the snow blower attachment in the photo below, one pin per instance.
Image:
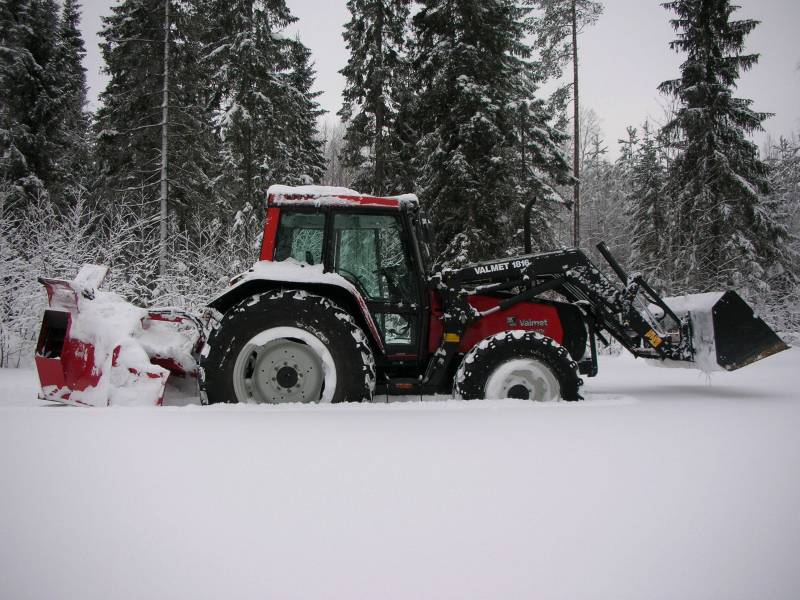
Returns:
(95, 349)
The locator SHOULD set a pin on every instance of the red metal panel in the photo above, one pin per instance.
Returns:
(528, 316)
(50, 371)
(79, 367)
(270, 232)
(373, 201)
(360, 200)
(73, 371)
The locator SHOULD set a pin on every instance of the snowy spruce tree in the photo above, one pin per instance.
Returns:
(784, 162)
(75, 158)
(721, 231)
(249, 56)
(129, 122)
(18, 86)
(604, 185)
(376, 37)
(784, 180)
(646, 208)
(486, 145)
(42, 93)
(628, 147)
(305, 161)
(27, 48)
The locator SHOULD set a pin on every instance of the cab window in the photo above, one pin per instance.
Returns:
(369, 252)
(300, 237)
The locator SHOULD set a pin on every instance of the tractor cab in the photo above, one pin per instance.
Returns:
(379, 245)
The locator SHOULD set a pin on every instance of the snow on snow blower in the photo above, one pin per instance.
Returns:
(95, 349)
(344, 303)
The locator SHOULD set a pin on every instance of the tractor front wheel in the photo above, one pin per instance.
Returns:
(287, 346)
(518, 364)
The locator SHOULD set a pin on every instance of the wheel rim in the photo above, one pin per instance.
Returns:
(526, 379)
(284, 364)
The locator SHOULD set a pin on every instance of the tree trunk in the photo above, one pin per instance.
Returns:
(576, 207)
(378, 95)
(162, 237)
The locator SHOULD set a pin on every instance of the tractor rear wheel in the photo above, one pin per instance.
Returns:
(518, 364)
(287, 346)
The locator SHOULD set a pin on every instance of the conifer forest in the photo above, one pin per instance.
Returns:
(475, 106)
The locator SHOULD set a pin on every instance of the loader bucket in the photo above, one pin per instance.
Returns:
(726, 334)
(741, 337)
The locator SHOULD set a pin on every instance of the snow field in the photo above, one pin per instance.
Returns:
(659, 485)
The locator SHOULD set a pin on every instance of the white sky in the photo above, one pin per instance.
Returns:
(623, 59)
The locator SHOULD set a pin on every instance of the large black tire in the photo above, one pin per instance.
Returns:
(524, 364)
(320, 328)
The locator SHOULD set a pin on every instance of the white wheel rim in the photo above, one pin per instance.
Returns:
(528, 374)
(284, 364)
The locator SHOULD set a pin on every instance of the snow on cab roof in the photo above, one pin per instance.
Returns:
(319, 195)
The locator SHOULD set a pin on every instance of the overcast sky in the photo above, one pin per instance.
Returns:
(623, 59)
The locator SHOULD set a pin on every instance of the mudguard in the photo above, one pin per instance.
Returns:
(267, 275)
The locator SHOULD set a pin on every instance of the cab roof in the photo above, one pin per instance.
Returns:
(282, 195)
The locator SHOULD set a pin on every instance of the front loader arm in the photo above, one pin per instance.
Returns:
(709, 331)
(619, 310)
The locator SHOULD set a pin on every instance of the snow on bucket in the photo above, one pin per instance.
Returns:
(726, 334)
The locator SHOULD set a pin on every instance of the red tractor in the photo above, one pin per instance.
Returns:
(345, 303)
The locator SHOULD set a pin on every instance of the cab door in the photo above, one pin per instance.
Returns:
(371, 250)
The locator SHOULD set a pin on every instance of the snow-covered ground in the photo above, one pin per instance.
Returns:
(662, 484)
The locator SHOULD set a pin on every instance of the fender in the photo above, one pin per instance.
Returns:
(301, 277)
